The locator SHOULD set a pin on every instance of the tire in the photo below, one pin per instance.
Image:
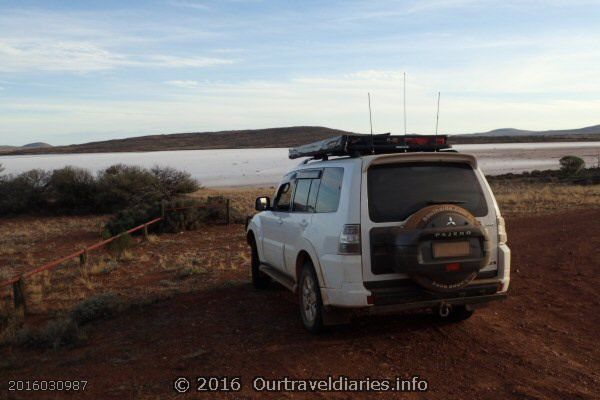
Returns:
(260, 281)
(457, 314)
(309, 298)
(440, 223)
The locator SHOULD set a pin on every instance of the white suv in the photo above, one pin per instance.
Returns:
(381, 229)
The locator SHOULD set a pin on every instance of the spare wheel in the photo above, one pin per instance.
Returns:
(441, 247)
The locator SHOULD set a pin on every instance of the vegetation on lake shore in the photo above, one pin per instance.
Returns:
(73, 190)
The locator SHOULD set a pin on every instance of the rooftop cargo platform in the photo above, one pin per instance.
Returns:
(357, 145)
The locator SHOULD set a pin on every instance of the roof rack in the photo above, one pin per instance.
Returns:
(356, 145)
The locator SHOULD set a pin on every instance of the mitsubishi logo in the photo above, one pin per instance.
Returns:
(450, 222)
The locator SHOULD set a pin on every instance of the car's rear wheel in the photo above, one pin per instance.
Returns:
(259, 279)
(311, 305)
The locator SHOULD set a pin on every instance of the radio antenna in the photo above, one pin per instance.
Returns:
(405, 104)
(371, 123)
(437, 120)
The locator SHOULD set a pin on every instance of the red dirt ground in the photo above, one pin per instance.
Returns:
(541, 343)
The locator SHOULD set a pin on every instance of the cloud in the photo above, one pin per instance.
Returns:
(56, 56)
(82, 56)
(189, 4)
(183, 84)
(181, 62)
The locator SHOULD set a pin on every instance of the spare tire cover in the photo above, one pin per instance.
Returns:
(448, 224)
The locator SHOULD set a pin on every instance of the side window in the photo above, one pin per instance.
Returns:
(312, 195)
(328, 197)
(284, 197)
(301, 195)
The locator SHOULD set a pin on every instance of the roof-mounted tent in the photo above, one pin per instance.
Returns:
(357, 145)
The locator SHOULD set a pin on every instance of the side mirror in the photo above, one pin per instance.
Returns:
(262, 203)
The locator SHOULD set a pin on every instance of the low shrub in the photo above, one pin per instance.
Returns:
(65, 331)
(191, 217)
(570, 165)
(130, 218)
(180, 215)
(120, 245)
(56, 333)
(95, 308)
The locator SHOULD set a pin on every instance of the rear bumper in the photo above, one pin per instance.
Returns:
(405, 295)
(408, 292)
(472, 301)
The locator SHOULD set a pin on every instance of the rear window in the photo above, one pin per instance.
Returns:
(398, 190)
(330, 188)
(301, 196)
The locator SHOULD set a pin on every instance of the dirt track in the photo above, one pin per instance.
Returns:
(540, 343)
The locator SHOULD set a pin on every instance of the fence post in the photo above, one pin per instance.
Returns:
(227, 212)
(146, 232)
(83, 258)
(19, 295)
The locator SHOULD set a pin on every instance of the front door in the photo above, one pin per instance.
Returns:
(275, 225)
(298, 221)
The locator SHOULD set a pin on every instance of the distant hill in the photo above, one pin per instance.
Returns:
(10, 149)
(507, 135)
(282, 137)
(254, 138)
(36, 145)
(590, 130)
(4, 149)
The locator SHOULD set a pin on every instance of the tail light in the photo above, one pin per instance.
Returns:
(502, 238)
(350, 240)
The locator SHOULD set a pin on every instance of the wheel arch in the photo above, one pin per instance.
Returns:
(308, 253)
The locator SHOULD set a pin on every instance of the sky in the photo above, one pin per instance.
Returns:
(80, 71)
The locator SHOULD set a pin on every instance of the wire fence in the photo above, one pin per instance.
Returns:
(17, 281)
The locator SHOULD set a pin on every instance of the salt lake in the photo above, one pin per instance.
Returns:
(235, 167)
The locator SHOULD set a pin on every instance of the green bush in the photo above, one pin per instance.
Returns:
(73, 190)
(132, 217)
(571, 165)
(24, 193)
(172, 182)
(123, 186)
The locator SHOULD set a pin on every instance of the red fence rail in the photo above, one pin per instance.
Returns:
(53, 264)
(17, 280)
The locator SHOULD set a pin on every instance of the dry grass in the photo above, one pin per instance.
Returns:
(527, 199)
(242, 198)
(27, 242)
